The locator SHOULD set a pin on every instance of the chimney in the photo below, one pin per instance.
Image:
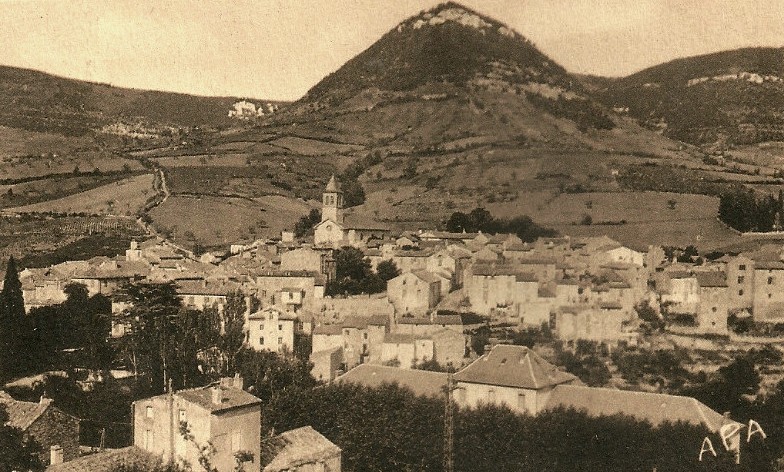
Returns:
(238, 382)
(55, 455)
(217, 395)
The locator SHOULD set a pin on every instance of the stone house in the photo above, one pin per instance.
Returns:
(56, 432)
(414, 292)
(427, 325)
(326, 363)
(271, 329)
(406, 350)
(713, 308)
(602, 323)
(270, 285)
(768, 303)
(509, 375)
(740, 282)
(449, 347)
(300, 450)
(222, 414)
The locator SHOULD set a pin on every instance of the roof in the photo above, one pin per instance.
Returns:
(356, 222)
(513, 366)
(711, 279)
(110, 460)
(399, 338)
(448, 235)
(23, 414)
(232, 398)
(292, 449)
(426, 276)
(421, 382)
(328, 330)
(362, 322)
(333, 185)
(656, 408)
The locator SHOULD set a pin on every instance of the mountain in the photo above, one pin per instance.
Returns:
(37, 101)
(729, 97)
(446, 74)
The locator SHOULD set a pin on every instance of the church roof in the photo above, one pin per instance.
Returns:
(333, 185)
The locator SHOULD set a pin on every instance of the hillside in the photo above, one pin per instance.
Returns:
(447, 74)
(729, 97)
(37, 101)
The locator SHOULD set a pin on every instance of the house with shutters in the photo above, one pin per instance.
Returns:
(222, 415)
(514, 376)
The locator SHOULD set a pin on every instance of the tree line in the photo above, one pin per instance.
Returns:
(479, 219)
(742, 211)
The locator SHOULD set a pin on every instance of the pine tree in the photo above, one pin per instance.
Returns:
(13, 325)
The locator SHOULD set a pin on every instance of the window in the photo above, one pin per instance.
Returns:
(280, 327)
(291, 295)
(742, 267)
(261, 340)
(364, 335)
(182, 415)
(261, 326)
(714, 309)
(770, 280)
(521, 401)
(149, 412)
(740, 292)
(280, 340)
(740, 279)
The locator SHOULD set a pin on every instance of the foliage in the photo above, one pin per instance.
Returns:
(390, 429)
(742, 211)
(165, 338)
(652, 321)
(663, 368)
(353, 193)
(480, 337)
(480, 219)
(585, 364)
(353, 274)
(583, 112)
(15, 353)
(387, 270)
(304, 226)
(728, 388)
(269, 375)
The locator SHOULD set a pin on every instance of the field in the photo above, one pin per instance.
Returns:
(215, 221)
(17, 142)
(37, 237)
(124, 197)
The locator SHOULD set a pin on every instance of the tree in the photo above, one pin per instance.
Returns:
(353, 193)
(16, 452)
(387, 270)
(304, 226)
(165, 338)
(232, 334)
(15, 328)
(353, 274)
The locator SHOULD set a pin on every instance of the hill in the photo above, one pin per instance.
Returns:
(37, 101)
(447, 74)
(729, 97)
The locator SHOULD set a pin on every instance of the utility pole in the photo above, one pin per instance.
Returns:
(449, 426)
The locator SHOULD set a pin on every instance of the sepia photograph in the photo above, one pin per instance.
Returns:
(391, 235)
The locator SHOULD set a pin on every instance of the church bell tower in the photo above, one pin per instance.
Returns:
(332, 203)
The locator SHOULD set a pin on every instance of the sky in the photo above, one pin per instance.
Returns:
(278, 49)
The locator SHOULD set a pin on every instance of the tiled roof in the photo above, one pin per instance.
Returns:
(711, 279)
(127, 458)
(328, 330)
(333, 185)
(421, 382)
(232, 398)
(362, 322)
(399, 338)
(513, 366)
(426, 276)
(655, 408)
(22, 414)
(293, 449)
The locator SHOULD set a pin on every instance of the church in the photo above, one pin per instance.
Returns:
(337, 230)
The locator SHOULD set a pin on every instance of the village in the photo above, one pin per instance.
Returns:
(420, 332)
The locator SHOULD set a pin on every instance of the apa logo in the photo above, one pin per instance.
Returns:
(730, 438)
